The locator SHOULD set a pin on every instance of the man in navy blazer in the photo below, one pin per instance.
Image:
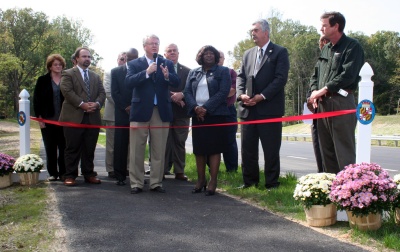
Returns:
(122, 100)
(260, 89)
(149, 77)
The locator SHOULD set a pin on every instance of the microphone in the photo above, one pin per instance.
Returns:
(155, 60)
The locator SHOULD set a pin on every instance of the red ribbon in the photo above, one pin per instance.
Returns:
(278, 119)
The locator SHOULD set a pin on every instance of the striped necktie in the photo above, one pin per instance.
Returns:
(86, 80)
(258, 61)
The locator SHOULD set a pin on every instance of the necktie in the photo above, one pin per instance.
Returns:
(258, 61)
(176, 68)
(153, 77)
(86, 80)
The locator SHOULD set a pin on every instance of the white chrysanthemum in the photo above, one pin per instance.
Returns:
(28, 163)
(396, 179)
(313, 188)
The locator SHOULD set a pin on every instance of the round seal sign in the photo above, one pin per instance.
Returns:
(21, 117)
(365, 112)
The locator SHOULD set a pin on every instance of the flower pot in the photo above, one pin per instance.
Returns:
(364, 223)
(5, 181)
(28, 178)
(321, 216)
(397, 215)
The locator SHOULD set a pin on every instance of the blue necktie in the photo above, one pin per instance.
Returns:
(155, 95)
(86, 80)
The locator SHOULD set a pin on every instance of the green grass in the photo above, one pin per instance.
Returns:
(24, 219)
(24, 224)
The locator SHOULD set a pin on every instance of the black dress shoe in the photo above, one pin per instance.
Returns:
(181, 176)
(147, 172)
(136, 190)
(158, 189)
(247, 186)
(120, 183)
(111, 174)
(209, 193)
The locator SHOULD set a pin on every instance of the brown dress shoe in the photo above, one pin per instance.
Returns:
(92, 180)
(181, 176)
(69, 182)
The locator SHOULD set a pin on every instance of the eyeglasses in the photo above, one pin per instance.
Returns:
(153, 44)
(122, 59)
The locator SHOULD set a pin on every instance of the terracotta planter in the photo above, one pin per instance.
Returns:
(321, 216)
(5, 181)
(364, 223)
(28, 178)
(397, 215)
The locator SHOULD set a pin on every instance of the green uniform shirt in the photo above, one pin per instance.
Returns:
(339, 66)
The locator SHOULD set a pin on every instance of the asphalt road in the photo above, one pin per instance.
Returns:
(107, 217)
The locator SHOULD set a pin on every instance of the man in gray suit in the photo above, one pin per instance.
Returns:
(109, 117)
(175, 153)
(84, 95)
(261, 95)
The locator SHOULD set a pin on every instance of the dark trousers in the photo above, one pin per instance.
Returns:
(336, 134)
(175, 152)
(121, 145)
(54, 144)
(231, 155)
(315, 141)
(270, 135)
(76, 139)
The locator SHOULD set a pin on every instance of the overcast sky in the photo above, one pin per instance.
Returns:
(120, 25)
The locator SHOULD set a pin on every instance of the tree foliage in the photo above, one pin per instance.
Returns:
(26, 39)
(382, 52)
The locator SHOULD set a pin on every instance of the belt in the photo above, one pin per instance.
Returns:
(328, 94)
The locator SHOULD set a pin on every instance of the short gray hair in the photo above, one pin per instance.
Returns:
(150, 36)
(264, 24)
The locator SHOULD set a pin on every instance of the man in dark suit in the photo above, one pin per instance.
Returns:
(175, 153)
(149, 77)
(83, 97)
(122, 100)
(260, 89)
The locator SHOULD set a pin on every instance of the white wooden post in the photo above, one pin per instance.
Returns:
(24, 122)
(363, 139)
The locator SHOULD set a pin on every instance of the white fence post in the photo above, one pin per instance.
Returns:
(363, 137)
(24, 123)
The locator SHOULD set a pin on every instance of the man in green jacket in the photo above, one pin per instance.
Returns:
(332, 87)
